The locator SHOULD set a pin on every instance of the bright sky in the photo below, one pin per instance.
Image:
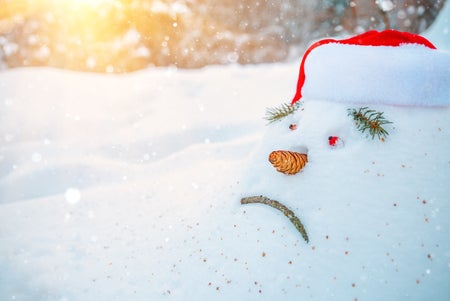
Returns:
(91, 2)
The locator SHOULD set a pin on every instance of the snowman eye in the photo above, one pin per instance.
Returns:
(335, 141)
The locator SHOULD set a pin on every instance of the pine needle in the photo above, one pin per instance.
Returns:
(371, 120)
(277, 113)
(277, 205)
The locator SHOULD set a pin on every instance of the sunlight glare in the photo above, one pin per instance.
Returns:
(92, 3)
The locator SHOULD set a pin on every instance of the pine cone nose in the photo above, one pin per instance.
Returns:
(288, 162)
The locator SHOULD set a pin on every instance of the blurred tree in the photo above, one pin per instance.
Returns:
(126, 35)
(405, 15)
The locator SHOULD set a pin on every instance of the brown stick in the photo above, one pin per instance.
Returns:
(277, 205)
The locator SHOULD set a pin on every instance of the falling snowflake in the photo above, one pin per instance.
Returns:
(36, 157)
(72, 196)
(385, 5)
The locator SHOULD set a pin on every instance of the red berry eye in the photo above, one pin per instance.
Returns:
(332, 140)
(335, 141)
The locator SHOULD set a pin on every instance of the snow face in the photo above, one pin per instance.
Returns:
(405, 75)
(128, 188)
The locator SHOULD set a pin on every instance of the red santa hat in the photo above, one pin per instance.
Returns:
(370, 38)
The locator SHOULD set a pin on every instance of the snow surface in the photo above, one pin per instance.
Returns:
(127, 188)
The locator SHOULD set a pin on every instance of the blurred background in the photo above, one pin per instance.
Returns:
(116, 36)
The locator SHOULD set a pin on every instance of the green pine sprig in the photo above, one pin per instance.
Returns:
(370, 120)
(277, 113)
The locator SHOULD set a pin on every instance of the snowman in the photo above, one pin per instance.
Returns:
(352, 95)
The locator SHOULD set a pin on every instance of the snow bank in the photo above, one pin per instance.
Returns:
(128, 187)
(406, 75)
